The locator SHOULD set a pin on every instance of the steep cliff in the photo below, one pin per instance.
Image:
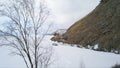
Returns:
(101, 26)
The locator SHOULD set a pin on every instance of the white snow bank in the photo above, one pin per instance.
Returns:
(65, 56)
(73, 57)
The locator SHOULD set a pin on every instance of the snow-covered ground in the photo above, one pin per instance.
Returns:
(65, 56)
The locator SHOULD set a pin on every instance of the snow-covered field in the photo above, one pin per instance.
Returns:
(65, 56)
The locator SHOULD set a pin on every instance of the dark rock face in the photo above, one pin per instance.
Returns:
(101, 26)
(104, 1)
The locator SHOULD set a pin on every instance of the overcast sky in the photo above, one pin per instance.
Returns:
(64, 13)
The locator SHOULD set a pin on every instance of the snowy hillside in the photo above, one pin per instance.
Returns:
(73, 57)
(65, 56)
(60, 31)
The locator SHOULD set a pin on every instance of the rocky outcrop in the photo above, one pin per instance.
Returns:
(58, 35)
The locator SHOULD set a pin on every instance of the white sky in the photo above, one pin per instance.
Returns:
(66, 12)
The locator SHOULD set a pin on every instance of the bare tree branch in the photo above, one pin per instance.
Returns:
(22, 32)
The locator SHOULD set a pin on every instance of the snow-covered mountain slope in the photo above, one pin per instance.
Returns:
(65, 56)
(60, 31)
(73, 57)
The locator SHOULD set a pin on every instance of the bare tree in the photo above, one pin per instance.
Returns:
(26, 18)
